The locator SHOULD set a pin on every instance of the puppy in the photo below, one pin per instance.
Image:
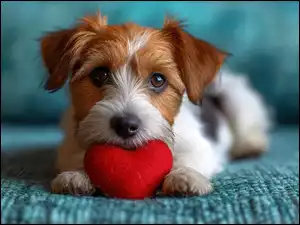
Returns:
(129, 84)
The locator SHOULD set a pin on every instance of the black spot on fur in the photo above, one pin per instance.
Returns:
(210, 110)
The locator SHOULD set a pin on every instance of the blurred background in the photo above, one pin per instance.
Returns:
(262, 36)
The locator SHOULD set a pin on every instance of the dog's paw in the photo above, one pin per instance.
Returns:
(186, 181)
(72, 182)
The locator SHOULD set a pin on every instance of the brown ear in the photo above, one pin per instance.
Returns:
(198, 60)
(54, 49)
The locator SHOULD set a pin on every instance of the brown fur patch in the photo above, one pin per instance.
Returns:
(157, 56)
(84, 95)
(198, 60)
(53, 49)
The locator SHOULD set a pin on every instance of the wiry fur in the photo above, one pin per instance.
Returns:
(126, 96)
(132, 53)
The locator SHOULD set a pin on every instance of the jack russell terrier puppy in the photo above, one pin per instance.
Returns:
(129, 84)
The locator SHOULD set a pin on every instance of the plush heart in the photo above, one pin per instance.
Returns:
(131, 174)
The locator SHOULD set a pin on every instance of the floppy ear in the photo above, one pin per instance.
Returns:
(54, 50)
(198, 60)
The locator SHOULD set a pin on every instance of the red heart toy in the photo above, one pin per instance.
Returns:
(131, 174)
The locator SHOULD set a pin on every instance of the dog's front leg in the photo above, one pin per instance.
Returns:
(72, 182)
(193, 167)
(186, 181)
(71, 178)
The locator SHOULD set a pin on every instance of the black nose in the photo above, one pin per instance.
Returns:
(125, 126)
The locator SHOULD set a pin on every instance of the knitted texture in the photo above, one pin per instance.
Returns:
(264, 190)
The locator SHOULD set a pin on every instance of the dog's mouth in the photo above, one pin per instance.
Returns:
(129, 148)
(128, 145)
(86, 139)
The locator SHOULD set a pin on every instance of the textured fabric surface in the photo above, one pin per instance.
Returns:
(264, 190)
(264, 44)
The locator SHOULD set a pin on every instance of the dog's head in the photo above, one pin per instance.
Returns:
(127, 81)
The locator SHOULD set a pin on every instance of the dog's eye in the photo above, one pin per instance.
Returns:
(157, 82)
(99, 76)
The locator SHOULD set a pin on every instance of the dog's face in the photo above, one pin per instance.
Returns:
(127, 81)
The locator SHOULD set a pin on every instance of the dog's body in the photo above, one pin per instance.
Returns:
(195, 145)
(231, 121)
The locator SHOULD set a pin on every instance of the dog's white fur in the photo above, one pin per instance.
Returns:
(247, 113)
(242, 131)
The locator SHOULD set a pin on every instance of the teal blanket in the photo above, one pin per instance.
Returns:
(264, 190)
